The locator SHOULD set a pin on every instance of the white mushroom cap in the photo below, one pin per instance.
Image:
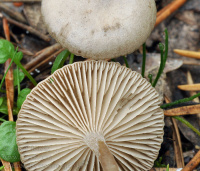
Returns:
(65, 117)
(100, 29)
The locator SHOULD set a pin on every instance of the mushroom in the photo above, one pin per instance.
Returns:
(88, 116)
(100, 29)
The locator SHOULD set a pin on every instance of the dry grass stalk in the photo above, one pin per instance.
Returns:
(177, 142)
(185, 110)
(192, 93)
(187, 53)
(7, 166)
(190, 81)
(191, 87)
(168, 10)
(177, 145)
(9, 90)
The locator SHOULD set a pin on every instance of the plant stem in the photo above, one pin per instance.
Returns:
(106, 158)
(150, 76)
(6, 73)
(180, 101)
(189, 125)
(71, 60)
(126, 62)
(144, 59)
(167, 167)
(26, 72)
(3, 120)
(163, 58)
(18, 84)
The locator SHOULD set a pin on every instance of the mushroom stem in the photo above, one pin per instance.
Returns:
(106, 158)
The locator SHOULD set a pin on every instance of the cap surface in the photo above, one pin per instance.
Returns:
(64, 117)
(100, 29)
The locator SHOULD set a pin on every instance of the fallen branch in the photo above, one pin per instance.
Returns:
(42, 56)
(30, 29)
(14, 14)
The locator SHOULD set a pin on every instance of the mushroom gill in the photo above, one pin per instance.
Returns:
(65, 119)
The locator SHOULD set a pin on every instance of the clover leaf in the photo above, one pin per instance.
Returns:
(8, 146)
(22, 96)
(6, 50)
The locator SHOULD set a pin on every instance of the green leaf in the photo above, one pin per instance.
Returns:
(3, 106)
(60, 59)
(8, 146)
(22, 96)
(2, 167)
(167, 167)
(4, 109)
(18, 56)
(6, 50)
(19, 77)
(1, 100)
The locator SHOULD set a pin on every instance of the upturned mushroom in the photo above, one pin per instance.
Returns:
(100, 29)
(91, 115)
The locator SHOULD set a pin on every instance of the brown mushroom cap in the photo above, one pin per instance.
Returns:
(65, 117)
(100, 29)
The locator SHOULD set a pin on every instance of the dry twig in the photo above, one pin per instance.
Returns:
(14, 14)
(168, 10)
(30, 29)
(42, 56)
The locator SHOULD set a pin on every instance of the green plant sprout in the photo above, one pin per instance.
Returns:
(164, 56)
(144, 61)
(71, 60)
(150, 76)
(7, 51)
(180, 101)
(59, 61)
(189, 125)
(2, 167)
(158, 163)
(126, 62)
(167, 167)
